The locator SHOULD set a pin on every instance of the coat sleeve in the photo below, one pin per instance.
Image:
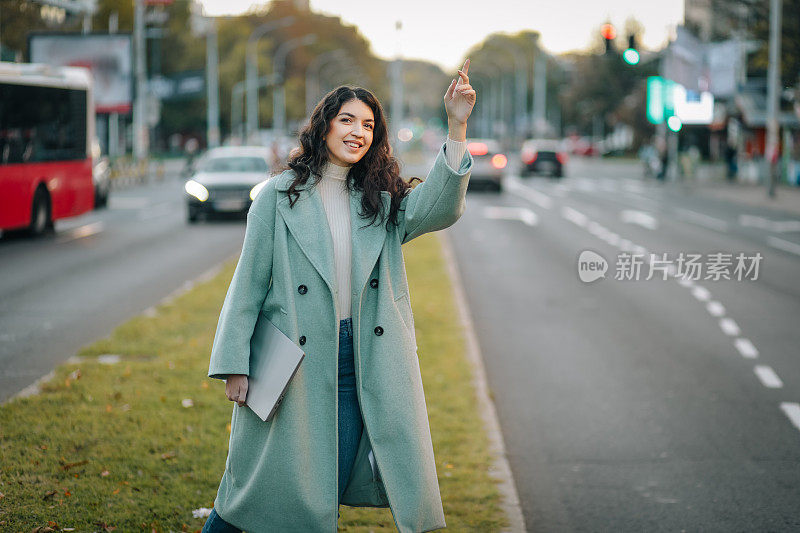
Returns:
(437, 202)
(230, 353)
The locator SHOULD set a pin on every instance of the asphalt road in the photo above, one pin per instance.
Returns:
(69, 289)
(637, 405)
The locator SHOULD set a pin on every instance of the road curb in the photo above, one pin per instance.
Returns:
(499, 469)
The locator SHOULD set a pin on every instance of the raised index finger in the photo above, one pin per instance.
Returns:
(465, 68)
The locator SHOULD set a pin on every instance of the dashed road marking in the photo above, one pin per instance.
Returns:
(792, 410)
(746, 348)
(538, 198)
(574, 216)
(522, 214)
(768, 377)
(729, 327)
(640, 218)
(784, 245)
(701, 293)
(703, 220)
(715, 308)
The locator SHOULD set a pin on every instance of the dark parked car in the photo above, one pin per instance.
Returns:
(226, 180)
(543, 156)
(489, 163)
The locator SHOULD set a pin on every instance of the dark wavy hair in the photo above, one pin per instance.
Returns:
(377, 171)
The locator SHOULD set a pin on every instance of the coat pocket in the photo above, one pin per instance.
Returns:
(403, 305)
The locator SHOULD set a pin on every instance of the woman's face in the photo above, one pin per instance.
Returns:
(349, 133)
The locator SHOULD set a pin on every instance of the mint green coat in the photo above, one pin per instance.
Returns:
(281, 476)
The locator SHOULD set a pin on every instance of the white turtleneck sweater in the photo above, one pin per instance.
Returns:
(336, 201)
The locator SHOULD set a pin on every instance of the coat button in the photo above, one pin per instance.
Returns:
(302, 340)
(373, 283)
(302, 289)
(378, 331)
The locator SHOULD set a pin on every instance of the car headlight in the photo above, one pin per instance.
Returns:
(197, 190)
(255, 190)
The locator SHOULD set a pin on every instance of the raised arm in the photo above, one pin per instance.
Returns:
(440, 200)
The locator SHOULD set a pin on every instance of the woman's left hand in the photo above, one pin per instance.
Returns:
(460, 97)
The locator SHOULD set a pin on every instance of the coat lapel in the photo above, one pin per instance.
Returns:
(367, 241)
(308, 224)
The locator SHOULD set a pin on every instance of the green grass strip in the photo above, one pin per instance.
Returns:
(139, 444)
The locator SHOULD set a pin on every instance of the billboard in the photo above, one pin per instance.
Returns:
(108, 56)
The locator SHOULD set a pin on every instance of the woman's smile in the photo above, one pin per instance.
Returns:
(349, 133)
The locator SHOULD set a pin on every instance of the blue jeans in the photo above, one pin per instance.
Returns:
(350, 422)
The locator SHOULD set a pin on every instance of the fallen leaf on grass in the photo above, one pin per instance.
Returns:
(66, 466)
(116, 491)
(187, 402)
(105, 526)
(104, 473)
(168, 455)
(48, 494)
(108, 408)
(42, 529)
(204, 385)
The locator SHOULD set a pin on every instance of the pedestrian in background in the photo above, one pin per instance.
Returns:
(322, 260)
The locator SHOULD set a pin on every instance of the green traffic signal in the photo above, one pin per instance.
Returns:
(631, 56)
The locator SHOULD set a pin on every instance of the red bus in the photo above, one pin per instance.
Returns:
(46, 132)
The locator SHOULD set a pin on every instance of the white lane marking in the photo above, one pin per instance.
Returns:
(768, 377)
(80, 232)
(792, 410)
(746, 348)
(784, 226)
(612, 239)
(127, 202)
(778, 226)
(633, 216)
(786, 246)
(729, 327)
(643, 201)
(530, 194)
(753, 221)
(576, 217)
(701, 293)
(596, 229)
(522, 214)
(702, 220)
(715, 308)
(685, 282)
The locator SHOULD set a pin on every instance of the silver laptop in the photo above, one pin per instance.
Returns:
(274, 360)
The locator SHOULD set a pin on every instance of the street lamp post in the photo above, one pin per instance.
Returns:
(251, 68)
(212, 85)
(278, 70)
(773, 102)
(140, 144)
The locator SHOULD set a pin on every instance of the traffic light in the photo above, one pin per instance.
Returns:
(631, 55)
(609, 33)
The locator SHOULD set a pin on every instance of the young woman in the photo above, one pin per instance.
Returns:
(322, 261)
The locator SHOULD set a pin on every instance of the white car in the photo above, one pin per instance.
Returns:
(226, 180)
